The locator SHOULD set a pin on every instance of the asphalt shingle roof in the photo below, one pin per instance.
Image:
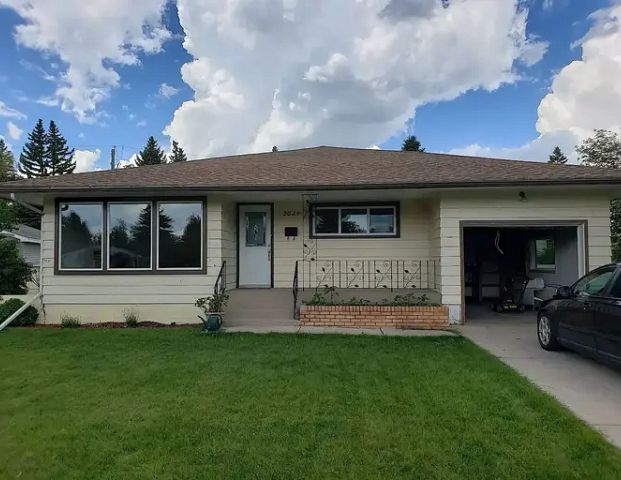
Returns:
(321, 168)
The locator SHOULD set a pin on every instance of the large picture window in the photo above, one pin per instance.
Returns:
(130, 236)
(180, 235)
(81, 227)
(355, 221)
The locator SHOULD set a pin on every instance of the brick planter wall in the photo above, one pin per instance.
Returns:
(373, 316)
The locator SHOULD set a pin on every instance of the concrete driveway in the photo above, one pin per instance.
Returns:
(592, 391)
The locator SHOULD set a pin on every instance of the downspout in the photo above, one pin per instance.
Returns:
(40, 273)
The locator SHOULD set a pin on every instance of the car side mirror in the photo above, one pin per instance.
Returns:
(563, 292)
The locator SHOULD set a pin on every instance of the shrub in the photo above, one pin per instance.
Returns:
(131, 318)
(27, 317)
(70, 321)
(15, 273)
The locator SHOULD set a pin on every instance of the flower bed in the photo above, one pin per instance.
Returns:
(375, 316)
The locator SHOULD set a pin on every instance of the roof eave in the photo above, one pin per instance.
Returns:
(7, 190)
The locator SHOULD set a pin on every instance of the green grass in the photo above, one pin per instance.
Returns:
(175, 404)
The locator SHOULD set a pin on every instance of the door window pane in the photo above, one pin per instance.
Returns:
(180, 227)
(255, 229)
(80, 236)
(594, 283)
(382, 220)
(327, 220)
(354, 220)
(129, 230)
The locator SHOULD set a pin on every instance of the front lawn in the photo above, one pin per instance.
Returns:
(175, 404)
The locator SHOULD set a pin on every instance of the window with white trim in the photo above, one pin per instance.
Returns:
(354, 221)
(543, 254)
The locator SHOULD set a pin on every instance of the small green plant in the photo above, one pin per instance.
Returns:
(212, 308)
(213, 304)
(27, 317)
(131, 318)
(70, 321)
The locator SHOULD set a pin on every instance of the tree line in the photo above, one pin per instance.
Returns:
(46, 153)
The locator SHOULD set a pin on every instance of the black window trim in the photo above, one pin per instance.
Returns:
(342, 205)
(154, 235)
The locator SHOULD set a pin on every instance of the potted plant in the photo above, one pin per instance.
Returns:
(213, 310)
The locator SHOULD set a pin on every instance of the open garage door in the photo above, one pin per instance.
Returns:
(518, 264)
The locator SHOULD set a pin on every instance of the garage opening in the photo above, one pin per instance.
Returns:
(512, 268)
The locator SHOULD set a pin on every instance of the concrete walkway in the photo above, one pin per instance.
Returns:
(592, 391)
(389, 332)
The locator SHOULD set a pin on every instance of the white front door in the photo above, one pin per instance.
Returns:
(255, 246)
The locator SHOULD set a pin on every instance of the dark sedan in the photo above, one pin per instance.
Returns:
(585, 317)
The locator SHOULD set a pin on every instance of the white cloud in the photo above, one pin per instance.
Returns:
(141, 123)
(86, 160)
(13, 131)
(167, 91)
(90, 38)
(344, 72)
(6, 111)
(584, 95)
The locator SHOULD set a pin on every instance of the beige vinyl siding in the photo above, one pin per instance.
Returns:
(412, 244)
(229, 242)
(99, 298)
(505, 205)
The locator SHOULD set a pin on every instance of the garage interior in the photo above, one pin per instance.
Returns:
(519, 265)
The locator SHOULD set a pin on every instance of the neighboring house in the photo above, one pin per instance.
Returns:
(458, 228)
(29, 243)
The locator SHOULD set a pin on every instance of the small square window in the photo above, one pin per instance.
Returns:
(382, 220)
(327, 221)
(354, 220)
(543, 254)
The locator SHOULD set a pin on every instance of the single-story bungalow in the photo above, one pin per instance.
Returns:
(372, 222)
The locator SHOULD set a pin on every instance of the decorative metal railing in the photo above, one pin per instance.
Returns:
(220, 285)
(352, 273)
(296, 290)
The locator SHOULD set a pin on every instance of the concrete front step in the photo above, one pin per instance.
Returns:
(256, 307)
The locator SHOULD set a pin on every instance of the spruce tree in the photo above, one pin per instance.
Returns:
(151, 154)
(557, 156)
(411, 144)
(32, 161)
(177, 155)
(58, 157)
(7, 171)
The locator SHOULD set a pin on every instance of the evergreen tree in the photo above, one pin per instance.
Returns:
(58, 157)
(7, 171)
(411, 144)
(32, 161)
(557, 156)
(177, 155)
(151, 154)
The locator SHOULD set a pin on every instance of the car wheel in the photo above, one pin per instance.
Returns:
(546, 332)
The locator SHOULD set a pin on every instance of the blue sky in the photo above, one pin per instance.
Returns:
(502, 121)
